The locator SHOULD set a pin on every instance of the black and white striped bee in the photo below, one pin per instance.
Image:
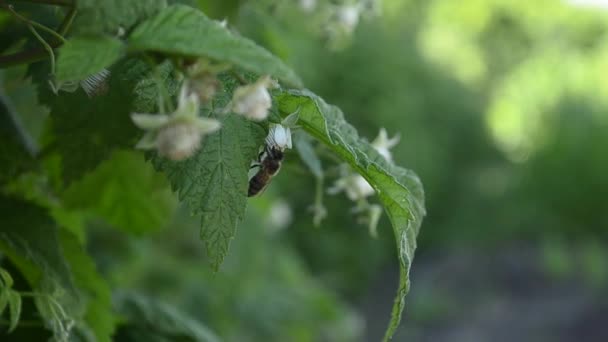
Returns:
(269, 161)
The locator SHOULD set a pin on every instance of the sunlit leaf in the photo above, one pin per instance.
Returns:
(399, 190)
(185, 31)
(83, 56)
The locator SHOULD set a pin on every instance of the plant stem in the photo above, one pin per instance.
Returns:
(37, 54)
(33, 23)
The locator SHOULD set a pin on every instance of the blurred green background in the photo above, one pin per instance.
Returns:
(502, 108)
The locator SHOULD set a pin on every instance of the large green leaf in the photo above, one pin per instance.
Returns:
(112, 16)
(399, 190)
(126, 192)
(83, 56)
(186, 31)
(214, 181)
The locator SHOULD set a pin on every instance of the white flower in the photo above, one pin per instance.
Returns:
(253, 101)
(279, 136)
(383, 144)
(179, 135)
(308, 5)
(348, 17)
(354, 185)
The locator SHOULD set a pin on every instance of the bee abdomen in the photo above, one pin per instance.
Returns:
(256, 184)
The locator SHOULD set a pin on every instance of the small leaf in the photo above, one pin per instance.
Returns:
(81, 57)
(186, 31)
(14, 304)
(3, 299)
(399, 190)
(6, 279)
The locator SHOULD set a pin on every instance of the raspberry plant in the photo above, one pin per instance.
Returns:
(106, 64)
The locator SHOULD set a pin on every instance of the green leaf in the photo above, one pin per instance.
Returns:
(81, 57)
(17, 146)
(87, 130)
(14, 304)
(148, 320)
(126, 192)
(186, 31)
(29, 238)
(5, 279)
(111, 16)
(92, 287)
(399, 190)
(214, 181)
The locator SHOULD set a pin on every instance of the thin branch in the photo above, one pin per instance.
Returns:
(33, 23)
(38, 54)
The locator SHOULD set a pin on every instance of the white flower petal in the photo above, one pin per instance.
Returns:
(147, 142)
(206, 125)
(149, 121)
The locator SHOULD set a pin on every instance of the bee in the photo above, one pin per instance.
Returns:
(270, 163)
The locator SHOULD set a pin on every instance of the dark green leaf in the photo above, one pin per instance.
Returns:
(29, 238)
(93, 288)
(17, 146)
(214, 181)
(126, 192)
(83, 56)
(399, 190)
(186, 31)
(86, 130)
(14, 304)
(148, 320)
(111, 16)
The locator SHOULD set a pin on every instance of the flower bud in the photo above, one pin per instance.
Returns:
(178, 141)
(253, 101)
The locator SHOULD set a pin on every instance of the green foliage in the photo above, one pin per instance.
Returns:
(83, 56)
(98, 124)
(150, 320)
(111, 16)
(85, 179)
(177, 31)
(9, 297)
(124, 178)
(399, 189)
(214, 181)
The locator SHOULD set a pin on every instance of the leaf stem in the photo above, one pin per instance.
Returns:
(33, 23)
(37, 54)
